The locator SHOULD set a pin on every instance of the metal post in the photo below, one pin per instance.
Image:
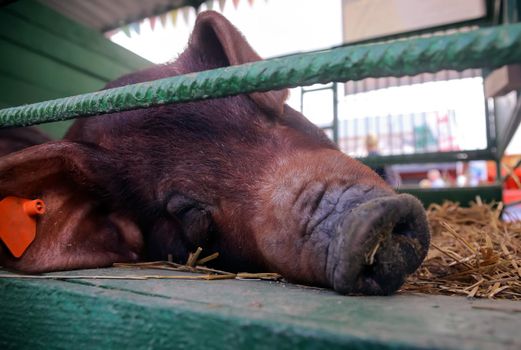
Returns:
(335, 113)
(302, 92)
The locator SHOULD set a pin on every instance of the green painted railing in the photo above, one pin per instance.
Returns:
(491, 47)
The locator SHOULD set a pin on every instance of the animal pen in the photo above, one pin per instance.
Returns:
(159, 305)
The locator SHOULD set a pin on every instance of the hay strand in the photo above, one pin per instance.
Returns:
(192, 265)
(207, 259)
(192, 258)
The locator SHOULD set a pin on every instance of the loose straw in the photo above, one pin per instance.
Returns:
(473, 253)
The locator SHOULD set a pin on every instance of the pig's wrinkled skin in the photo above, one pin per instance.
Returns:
(246, 176)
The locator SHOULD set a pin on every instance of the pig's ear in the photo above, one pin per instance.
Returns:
(80, 228)
(219, 44)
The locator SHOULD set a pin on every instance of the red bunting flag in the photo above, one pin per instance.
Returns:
(152, 21)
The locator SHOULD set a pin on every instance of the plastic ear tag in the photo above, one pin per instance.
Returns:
(18, 222)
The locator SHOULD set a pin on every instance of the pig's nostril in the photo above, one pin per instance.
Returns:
(405, 229)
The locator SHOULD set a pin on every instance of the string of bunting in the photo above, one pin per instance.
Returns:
(173, 15)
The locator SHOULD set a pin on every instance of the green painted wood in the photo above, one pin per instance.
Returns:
(167, 314)
(45, 56)
(31, 37)
(462, 195)
(56, 130)
(14, 91)
(62, 26)
(44, 72)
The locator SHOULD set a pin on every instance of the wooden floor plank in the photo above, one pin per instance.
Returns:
(226, 314)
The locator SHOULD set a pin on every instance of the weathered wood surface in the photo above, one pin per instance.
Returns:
(232, 314)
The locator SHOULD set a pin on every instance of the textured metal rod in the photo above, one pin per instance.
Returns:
(491, 47)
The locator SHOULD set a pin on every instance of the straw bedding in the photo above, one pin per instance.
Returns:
(473, 253)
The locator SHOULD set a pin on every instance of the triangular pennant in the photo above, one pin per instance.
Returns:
(235, 3)
(210, 4)
(250, 2)
(152, 21)
(221, 5)
(126, 30)
(173, 16)
(163, 18)
(185, 11)
(135, 27)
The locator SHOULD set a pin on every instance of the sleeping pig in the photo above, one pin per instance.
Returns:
(246, 176)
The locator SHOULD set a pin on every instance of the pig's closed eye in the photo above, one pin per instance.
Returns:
(194, 218)
(184, 210)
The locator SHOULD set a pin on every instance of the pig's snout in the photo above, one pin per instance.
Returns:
(377, 245)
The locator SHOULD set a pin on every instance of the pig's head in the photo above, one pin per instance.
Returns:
(246, 176)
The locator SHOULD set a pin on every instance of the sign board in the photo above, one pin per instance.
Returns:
(367, 19)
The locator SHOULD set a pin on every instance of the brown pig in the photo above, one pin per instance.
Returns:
(245, 176)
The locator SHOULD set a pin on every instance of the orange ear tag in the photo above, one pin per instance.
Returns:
(18, 222)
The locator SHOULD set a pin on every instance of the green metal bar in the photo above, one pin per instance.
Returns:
(431, 157)
(463, 195)
(318, 89)
(334, 123)
(512, 123)
(491, 124)
(491, 47)
(335, 113)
